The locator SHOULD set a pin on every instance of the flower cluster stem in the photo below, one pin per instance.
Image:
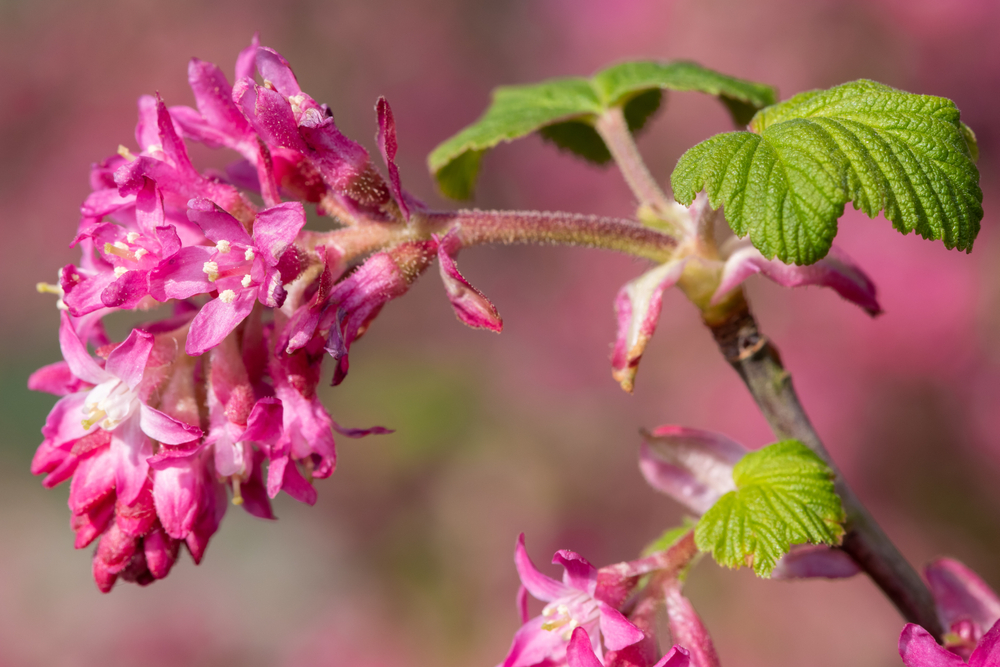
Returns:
(758, 363)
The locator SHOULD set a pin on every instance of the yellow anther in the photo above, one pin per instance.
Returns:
(125, 153)
(237, 497)
(94, 418)
(49, 288)
(227, 296)
(223, 246)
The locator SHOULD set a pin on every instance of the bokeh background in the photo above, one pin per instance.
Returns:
(406, 558)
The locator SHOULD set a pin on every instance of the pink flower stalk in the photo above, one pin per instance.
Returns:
(581, 600)
(695, 468)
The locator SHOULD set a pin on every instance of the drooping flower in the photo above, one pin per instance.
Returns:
(967, 607)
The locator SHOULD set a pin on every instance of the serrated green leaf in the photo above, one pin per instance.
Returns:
(784, 496)
(564, 110)
(786, 183)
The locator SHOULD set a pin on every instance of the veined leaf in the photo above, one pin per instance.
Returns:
(786, 182)
(564, 110)
(784, 496)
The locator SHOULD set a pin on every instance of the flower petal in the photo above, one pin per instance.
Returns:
(216, 320)
(246, 59)
(580, 653)
(471, 306)
(987, 653)
(637, 307)
(836, 271)
(687, 628)
(579, 573)
(264, 422)
(130, 449)
(961, 594)
(127, 362)
(918, 649)
(276, 228)
(534, 646)
(387, 146)
(617, 630)
(182, 275)
(540, 586)
(810, 561)
(677, 656)
(692, 466)
(165, 429)
(75, 353)
(216, 223)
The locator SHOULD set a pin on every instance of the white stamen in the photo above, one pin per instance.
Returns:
(120, 271)
(248, 255)
(211, 269)
(227, 296)
(246, 280)
(155, 148)
(132, 237)
(120, 245)
(223, 246)
(140, 252)
(296, 102)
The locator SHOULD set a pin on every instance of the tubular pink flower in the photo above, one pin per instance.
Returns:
(578, 601)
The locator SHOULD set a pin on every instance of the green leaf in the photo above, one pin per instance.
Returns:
(786, 183)
(784, 496)
(565, 110)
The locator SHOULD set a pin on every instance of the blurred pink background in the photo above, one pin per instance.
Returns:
(407, 558)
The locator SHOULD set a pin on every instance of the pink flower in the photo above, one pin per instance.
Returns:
(580, 600)
(967, 606)
(243, 269)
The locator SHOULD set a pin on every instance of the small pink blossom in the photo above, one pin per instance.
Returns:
(580, 600)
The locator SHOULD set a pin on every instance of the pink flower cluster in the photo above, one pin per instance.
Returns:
(156, 432)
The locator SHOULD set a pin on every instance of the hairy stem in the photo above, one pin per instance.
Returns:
(476, 227)
(758, 363)
(507, 227)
